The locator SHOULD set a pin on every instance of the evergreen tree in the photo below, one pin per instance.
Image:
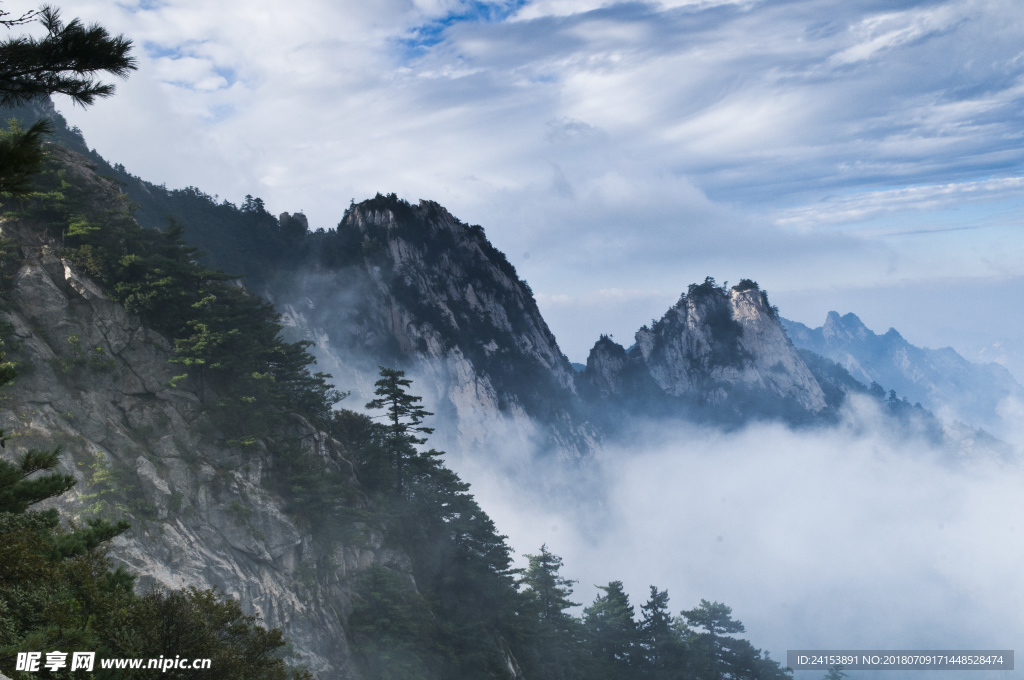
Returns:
(64, 61)
(57, 591)
(21, 156)
(660, 650)
(404, 416)
(704, 629)
(461, 565)
(554, 631)
(18, 491)
(611, 633)
(714, 655)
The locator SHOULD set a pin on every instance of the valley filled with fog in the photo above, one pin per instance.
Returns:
(843, 537)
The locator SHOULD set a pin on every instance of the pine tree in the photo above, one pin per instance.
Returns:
(660, 648)
(404, 416)
(555, 630)
(714, 655)
(21, 156)
(65, 61)
(611, 633)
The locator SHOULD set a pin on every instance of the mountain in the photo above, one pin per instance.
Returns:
(716, 354)
(412, 286)
(181, 408)
(939, 379)
(93, 379)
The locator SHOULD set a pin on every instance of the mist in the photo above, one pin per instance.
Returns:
(843, 537)
(858, 535)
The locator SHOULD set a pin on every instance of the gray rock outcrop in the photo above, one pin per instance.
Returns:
(714, 349)
(94, 380)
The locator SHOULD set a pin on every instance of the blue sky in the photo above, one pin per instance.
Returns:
(856, 155)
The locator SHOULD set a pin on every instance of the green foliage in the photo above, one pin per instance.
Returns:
(58, 591)
(611, 633)
(467, 605)
(714, 654)
(21, 156)
(554, 634)
(321, 496)
(461, 565)
(113, 491)
(404, 415)
(459, 607)
(197, 624)
(392, 628)
(660, 651)
(18, 491)
(78, 359)
(227, 340)
(65, 61)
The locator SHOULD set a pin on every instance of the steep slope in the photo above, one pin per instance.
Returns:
(716, 353)
(93, 379)
(940, 379)
(412, 286)
(394, 284)
(410, 579)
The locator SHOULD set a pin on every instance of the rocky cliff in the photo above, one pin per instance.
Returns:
(412, 286)
(716, 352)
(94, 380)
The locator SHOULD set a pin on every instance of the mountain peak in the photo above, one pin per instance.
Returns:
(717, 350)
(847, 326)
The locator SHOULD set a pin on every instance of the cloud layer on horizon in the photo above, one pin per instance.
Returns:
(839, 537)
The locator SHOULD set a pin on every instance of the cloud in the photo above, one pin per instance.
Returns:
(823, 539)
(623, 145)
(561, 8)
(891, 30)
(640, 147)
(861, 207)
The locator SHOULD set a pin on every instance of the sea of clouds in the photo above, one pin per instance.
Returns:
(834, 538)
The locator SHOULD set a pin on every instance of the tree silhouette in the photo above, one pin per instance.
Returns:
(64, 61)
(404, 415)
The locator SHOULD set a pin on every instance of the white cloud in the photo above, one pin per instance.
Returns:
(562, 8)
(895, 29)
(861, 207)
(622, 145)
(828, 539)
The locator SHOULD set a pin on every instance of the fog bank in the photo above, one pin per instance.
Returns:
(837, 538)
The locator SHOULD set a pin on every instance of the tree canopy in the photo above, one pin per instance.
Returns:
(65, 61)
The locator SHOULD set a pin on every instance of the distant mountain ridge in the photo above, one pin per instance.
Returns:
(940, 379)
(411, 286)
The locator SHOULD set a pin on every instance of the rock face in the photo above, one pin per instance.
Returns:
(94, 380)
(940, 379)
(716, 351)
(412, 287)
